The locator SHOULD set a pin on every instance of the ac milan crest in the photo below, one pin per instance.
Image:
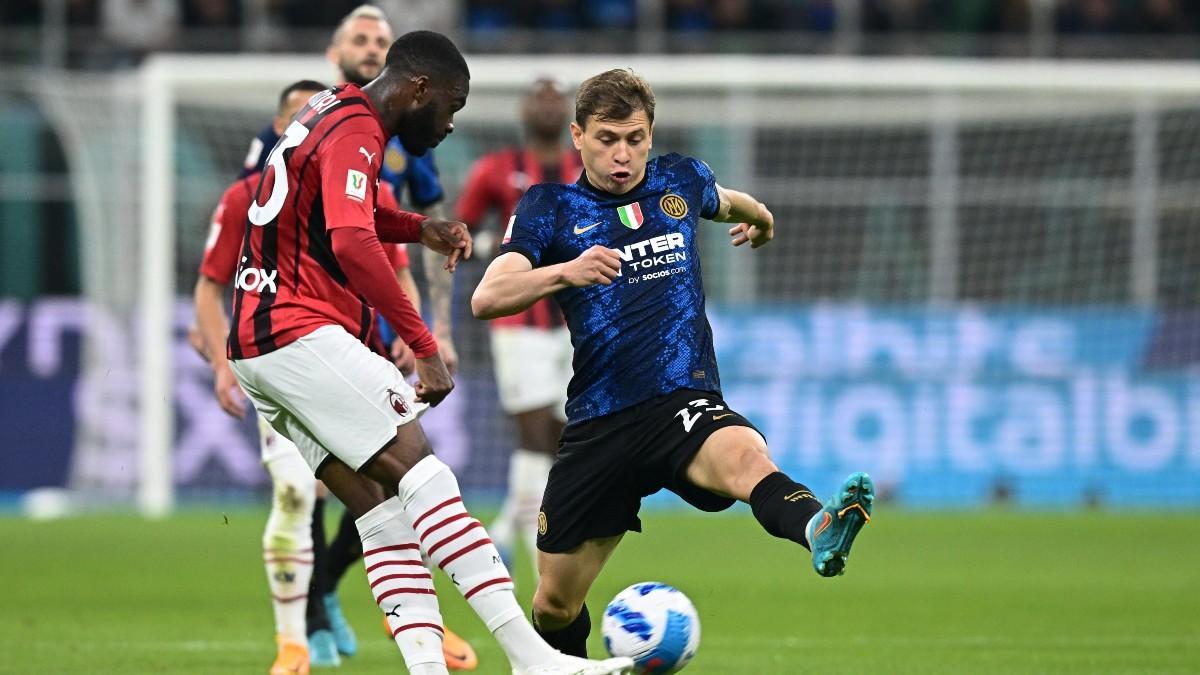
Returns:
(397, 402)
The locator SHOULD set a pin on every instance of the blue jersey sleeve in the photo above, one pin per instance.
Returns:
(710, 202)
(260, 147)
(531, 229)
(415, 173)
(424, 186)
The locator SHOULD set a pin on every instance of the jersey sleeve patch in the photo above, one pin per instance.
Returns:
(531, 229)
(356, 184)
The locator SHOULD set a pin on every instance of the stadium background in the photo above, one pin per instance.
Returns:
(983, 290)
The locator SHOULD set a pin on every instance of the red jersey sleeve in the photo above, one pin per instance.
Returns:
(349, 163)
(478, 193)
(228, 228)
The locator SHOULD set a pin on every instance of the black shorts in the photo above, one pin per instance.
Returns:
(607, 464)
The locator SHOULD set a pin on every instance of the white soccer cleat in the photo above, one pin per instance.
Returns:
(570, 665)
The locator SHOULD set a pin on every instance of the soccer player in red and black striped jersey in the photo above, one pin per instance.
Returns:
(288, 553)
(531, 350)
(312, 268)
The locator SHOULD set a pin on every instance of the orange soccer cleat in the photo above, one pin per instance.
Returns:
(292, 658)
(458, 652)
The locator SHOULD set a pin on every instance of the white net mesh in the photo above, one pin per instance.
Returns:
(973, 290)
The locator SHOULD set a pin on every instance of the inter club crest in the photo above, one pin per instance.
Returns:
(397, 402)
(673, 205)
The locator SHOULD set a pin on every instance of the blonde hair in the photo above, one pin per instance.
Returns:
(360, 12)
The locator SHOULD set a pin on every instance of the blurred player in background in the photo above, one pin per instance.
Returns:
(310, 274)
(617, 250)
(531, 350)
(287, 541)
(357, 48)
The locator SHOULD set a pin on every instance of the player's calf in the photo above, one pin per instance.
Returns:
(403, 587)
(287, 545)
(784, 507)
(570, 638)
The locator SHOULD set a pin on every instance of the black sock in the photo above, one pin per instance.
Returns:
(571, 640)
(344, 550)
(784, 507)
(315, 612)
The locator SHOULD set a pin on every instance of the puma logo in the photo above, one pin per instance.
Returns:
(369, 155)
(581, 230)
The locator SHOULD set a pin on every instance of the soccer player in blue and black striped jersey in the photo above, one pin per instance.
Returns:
(618, 251)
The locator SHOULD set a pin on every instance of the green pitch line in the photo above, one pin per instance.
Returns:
(924, 593)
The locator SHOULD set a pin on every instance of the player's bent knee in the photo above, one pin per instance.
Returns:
(731, 462)
(552, 611)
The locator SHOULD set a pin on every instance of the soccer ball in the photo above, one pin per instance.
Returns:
(653, 624)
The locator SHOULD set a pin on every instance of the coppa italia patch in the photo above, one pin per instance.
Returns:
(356, 184)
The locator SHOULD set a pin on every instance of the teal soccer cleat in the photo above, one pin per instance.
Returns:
(343, 634)
(832, 530)
(322, 650)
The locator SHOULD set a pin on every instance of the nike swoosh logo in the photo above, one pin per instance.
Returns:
(719, 417)
(581, 230)
(824, 524)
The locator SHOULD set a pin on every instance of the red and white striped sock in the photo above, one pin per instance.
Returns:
(403, 586)
(288, 574)
(459, 544)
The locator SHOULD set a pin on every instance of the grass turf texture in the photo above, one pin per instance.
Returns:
(984, 592)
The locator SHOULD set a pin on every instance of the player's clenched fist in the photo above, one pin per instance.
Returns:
(433, 380)
(597, 265)
(448, 237)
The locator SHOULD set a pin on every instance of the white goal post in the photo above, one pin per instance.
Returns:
(737, 95)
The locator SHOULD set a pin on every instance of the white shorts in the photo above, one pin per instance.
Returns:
(330, 395)
(533, 368)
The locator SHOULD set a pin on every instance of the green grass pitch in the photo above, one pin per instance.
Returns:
(925, 593)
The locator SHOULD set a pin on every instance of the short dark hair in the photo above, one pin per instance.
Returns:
(299, 85)
(613, 95)
(424, 52)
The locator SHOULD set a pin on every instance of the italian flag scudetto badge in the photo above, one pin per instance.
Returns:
(631, 215)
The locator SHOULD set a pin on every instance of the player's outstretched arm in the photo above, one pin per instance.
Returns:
(512, 285)
(214, 330)
(755, 223)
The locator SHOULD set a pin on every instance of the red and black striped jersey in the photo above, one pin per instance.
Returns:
(496, 182)
(322, 175)
(224, 243)
(228, 229)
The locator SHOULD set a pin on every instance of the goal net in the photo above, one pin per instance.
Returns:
(983, 284)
